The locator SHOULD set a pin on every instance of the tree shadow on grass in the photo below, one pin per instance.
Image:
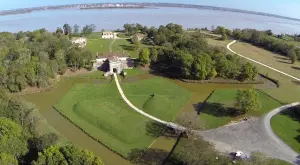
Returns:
(295, 67)
(294, 114)
(281, 58)
(155, 129)
(218, 110)
(296, 82)
(285, 62)
(154, 156)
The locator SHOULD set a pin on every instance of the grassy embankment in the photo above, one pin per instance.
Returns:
(99, 110)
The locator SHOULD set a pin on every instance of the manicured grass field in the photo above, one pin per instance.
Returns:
(219, 109)
(287, 126)
(100, 111)
(98, 45)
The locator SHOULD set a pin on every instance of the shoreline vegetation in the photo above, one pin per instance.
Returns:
(137, 5)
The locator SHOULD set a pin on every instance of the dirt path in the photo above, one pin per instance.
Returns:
(228, 47)
(110, 45)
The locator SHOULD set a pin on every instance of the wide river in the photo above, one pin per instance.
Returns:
(111, 19)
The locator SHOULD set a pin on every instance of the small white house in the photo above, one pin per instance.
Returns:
(80, 41)
(109, 35)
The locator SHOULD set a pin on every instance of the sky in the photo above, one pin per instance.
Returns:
(290, 8)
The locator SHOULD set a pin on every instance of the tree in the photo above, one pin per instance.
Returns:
(59, 31)
(292, 55)
(67, 29)
(76, 29)
(88, 29)
(12, 140)
(51, 156)
(224, 36)
(248, 71)
(196, 151)
(45, 141)
(247, 100)
(153, 54)
(144, 56)
(7, 159)
(67, 155)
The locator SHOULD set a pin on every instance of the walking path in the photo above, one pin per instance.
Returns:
(168, 124)
(228, 47)
(110, 45)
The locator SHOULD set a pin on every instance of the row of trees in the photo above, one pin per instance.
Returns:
(189, 56)
(75, 30)
(31, 58)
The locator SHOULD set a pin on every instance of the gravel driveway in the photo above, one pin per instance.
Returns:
(248, 136)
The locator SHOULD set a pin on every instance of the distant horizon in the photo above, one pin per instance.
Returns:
(143, 2)
(286, 8)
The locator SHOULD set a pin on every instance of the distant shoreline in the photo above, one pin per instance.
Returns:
(137, 5)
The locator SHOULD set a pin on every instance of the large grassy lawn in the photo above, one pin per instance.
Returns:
(98, 45)
(100, 111)
(287, 126)
(219, 109)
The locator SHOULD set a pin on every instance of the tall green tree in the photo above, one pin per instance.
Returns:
(67, 29)
(12, 139)
(247, 101)
(144, 56)
(248, 71)
(7, 159)
(67, 155)
(76, 29)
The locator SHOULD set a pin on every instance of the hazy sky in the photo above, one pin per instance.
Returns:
(289, 8)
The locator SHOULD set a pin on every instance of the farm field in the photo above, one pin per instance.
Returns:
(100, 111)
(219, 108)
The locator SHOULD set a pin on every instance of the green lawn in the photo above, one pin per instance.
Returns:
(219, 109)
(98, 45)
(121, 45)
(100, 111)
(287, 126)
(135, 72)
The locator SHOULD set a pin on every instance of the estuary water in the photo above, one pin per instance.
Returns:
(111, 19)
